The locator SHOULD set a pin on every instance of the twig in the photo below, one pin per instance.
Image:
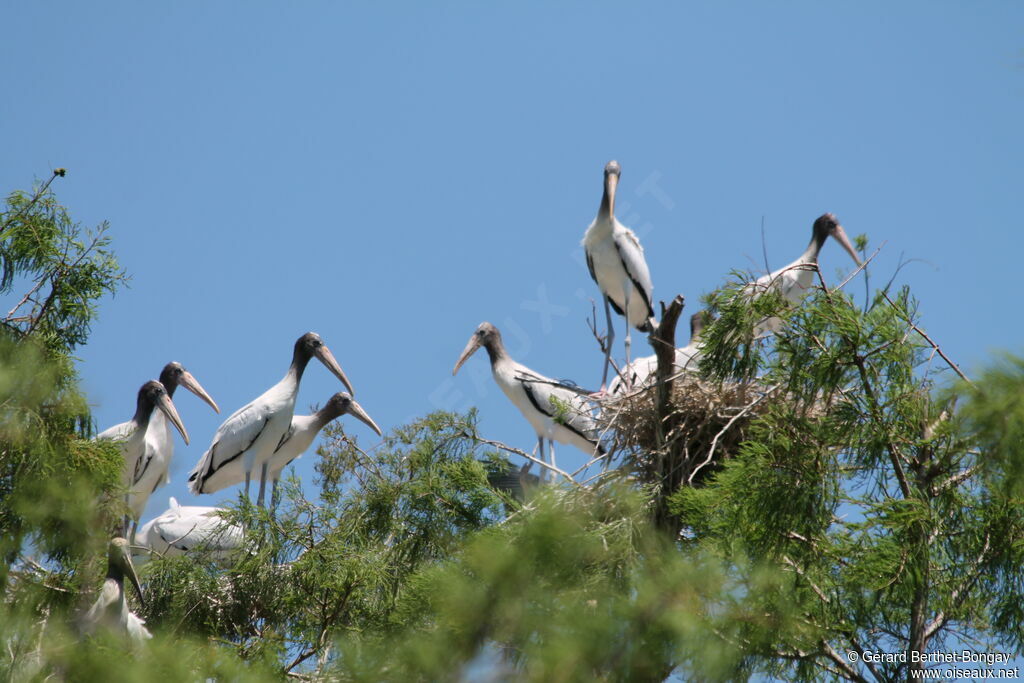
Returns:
(960, 593)
(737, 416)
(39, 194)
(927, 339)
(510, 449)
(861, 267)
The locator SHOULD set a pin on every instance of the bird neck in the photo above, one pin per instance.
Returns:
(143, 411)
(810, 254)
(607, 208)
(298, 366)
(496, 351)
(325, 415)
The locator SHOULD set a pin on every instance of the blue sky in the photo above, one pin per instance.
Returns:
(390, 176)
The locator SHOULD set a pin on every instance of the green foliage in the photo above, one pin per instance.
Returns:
(898, 515)
(62, 270)
(57, 489)
(338, 565)
(870, 505)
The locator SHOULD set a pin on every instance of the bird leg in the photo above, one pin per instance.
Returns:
(135, 527)
(274, 499)
(608, 341)
(263, 485)
(626, 289)
(551, 452)
(544, 474)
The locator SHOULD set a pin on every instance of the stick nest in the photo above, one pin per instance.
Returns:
(701, 416)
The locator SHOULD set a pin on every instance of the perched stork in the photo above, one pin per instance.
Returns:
(153, 469)
(519, 484)
(183, 528)
(110, 609)
(304, 429)
(642, 371)
(555, 409)
(616, 262)
(794, 280)
(248, 438)
(131, 436)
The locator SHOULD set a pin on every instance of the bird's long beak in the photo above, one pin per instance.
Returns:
(611, 183)
(125, 562)
(165, 404)
(471, 346)
(193, 385)
(356, 410)
(841, 237)
(327, 358)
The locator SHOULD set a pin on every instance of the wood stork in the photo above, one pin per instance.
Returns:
(616, 262)
(642, 371)
(555, 409)
(183, 528)
(304, 429)
(131, 436)
(111, 609)
(247, 439)
(793, 281)
(517, 483)
(152, 470)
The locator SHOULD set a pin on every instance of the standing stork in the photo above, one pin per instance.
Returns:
(616, 262)
(555, 410)
(793, 281)
(249, 437)
(304, 429)
(111, 609)
(153, 469)
(132, 436)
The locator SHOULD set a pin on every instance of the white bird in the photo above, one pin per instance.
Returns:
(153, 469)
(793, 281)
(248, 438)
(130, 436)
(183, 528)
(555, 410)
(642, 371)
(111, 609)
(616, 262)
(304, 429)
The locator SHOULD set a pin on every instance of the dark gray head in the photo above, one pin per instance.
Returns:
(309, 345)
(341, 404)
(827, 225)
(153, 395)
(174, 373)
(612, 171)
(119, 565)
(486, 335)
(697, 323)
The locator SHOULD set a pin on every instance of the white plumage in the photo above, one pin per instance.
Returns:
(641, 372)
(110, 610)
(183, 528)
(793, 281)
(304, 429)
(617, 264)
(153, 469)
(555, 410)
(131, 436)
(248, 438)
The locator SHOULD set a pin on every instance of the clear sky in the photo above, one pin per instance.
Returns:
(390, 175)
